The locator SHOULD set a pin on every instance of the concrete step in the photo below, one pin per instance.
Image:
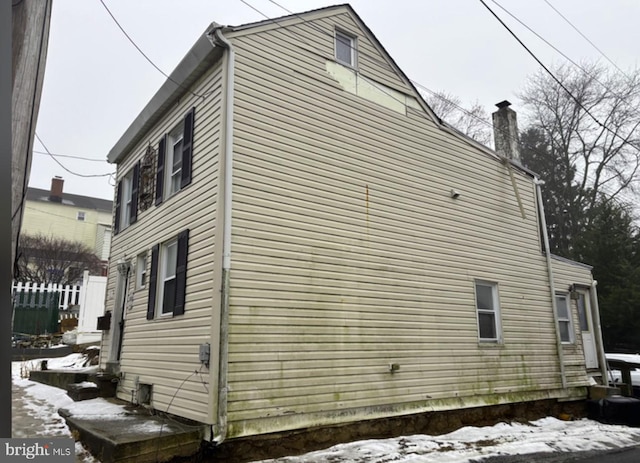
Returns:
(134, 436)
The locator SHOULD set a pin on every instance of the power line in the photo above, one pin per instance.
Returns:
(69, 156)
(586, 110)
(554, 47)
(143, 53)
(68, 170)
(587, 39)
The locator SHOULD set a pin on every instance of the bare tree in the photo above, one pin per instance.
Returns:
(47, 259)
(594, 134)
(473, 122)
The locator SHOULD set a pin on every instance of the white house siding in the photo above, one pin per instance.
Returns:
(348, 254)
(565, 274)
(164, 352)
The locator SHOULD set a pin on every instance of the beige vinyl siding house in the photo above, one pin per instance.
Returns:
(350, 257)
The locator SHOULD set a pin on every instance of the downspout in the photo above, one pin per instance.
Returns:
(545, 237)
(217, 38)
(595, 312)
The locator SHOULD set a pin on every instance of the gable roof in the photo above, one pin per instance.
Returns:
(205, 53)
(68, 199)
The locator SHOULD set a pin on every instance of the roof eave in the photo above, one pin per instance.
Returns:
(200, 57)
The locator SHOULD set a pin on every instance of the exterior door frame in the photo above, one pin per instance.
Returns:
(118, 316)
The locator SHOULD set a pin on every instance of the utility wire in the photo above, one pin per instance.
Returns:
(143, 53)
(587, 39)
(586, 72)
(68, 170)
(586, 110)
(69, 156)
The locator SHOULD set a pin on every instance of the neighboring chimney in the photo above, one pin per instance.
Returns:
(56, 189)
(505, 131)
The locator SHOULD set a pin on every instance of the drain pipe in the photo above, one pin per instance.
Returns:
(595, 312)
(545, 237)
(218, 39)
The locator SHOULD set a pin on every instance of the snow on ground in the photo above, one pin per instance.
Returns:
(474, 443)
(461, 446)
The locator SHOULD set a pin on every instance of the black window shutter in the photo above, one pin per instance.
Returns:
(187, 148)
(116, 225)
(181, 272)
(153, 282)
(135, 188)
(162, 147)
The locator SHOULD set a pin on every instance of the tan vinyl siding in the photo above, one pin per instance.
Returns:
(348, 254)
(163, 352)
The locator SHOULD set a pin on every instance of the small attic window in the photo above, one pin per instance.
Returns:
(345, 48)
(81, 216)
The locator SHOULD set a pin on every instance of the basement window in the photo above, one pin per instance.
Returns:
(345, 47)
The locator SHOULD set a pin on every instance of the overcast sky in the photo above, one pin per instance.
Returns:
(96, 82)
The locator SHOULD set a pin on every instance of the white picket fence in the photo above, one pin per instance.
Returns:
(69, 295)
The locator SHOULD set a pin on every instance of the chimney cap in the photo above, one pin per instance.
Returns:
(503, 104)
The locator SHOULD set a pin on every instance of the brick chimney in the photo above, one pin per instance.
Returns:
(505, 131)
(56, 189)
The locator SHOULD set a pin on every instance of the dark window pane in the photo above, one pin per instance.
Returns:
(582, 313)
(343, 48)
(484, 295)
(487, 323)
(169, 299)
(561, 304)
(564, 332)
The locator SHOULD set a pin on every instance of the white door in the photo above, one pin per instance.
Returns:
(586, 324)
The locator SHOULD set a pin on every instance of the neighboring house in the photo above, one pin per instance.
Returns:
(294, 223)
(73, 217)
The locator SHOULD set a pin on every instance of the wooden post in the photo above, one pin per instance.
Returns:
(30, 21)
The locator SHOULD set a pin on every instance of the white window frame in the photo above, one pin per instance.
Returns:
(340, 37)
(562, 298)
(141, 270)
(494, 310)
(127, 200)
(82, 215)
(166, 272)
(173, 177)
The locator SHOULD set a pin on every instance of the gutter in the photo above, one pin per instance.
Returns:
(217, 39)
(545, 237)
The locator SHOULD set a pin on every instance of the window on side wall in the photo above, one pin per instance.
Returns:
(345, 47)
(141, 271)
(564, 318)
(168, 277)
(488, 309)
(175, 152)
(81, 216)
(127, 199)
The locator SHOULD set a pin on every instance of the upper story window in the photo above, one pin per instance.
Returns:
(345, 46)
(175, 152)
(81, 216)
(174, 160)
(564, 318)
(127, 199)
(488, 308)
